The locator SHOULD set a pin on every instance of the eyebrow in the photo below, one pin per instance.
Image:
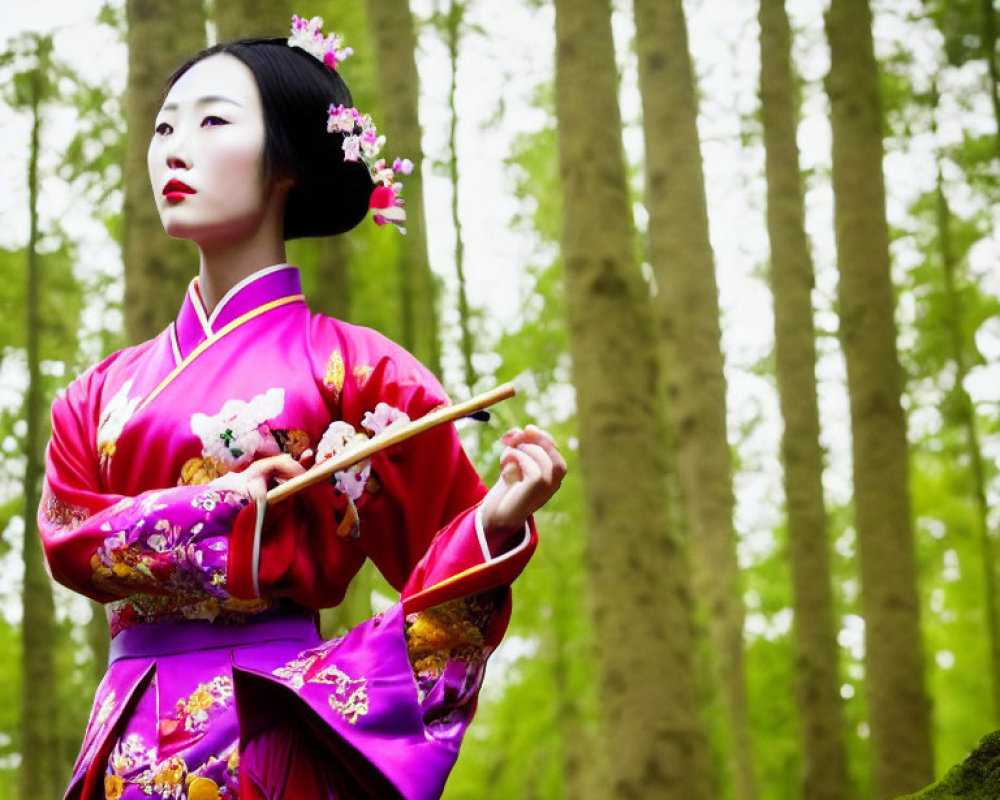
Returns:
(211, 98)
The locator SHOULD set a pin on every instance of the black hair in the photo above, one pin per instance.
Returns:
(329, 195)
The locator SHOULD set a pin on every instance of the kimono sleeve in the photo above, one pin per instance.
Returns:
(422, 528)
(107, 546)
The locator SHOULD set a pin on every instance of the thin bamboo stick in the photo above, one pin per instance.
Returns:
(387, 438)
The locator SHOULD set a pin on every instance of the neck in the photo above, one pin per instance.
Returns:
(226, 263)
(219, 273)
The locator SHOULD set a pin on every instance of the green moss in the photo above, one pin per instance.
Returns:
(978, 777)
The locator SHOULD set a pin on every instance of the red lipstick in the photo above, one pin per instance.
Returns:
(176, 190)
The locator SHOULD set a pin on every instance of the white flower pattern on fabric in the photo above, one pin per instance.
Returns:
(339, 438)
(384, 416)
(239, 432)
(116, 414)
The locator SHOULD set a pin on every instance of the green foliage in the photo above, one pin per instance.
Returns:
(10, 707)
(61, 302)
(961, 24)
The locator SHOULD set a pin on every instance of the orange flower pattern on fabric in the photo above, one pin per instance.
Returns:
(194, 710)
(170, 778)
(452, 631)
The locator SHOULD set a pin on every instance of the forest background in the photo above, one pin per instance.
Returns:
(744, 252)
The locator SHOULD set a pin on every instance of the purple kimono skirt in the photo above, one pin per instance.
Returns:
(347, 711)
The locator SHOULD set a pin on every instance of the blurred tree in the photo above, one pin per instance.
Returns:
(637, 566)
(687, 314)
(235, 19)
(899, 708)
(969, 28)
(450, 25)
(157, 268)
(38, 771)
(817, 681)
(395, 42)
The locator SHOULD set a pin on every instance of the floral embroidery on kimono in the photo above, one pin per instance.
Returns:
(452, 631)
(341, 437)
(60, 513)
(239, 433)
(334, 377)
(349, 696)
(193, 711)
(172, 778)
(116, 414)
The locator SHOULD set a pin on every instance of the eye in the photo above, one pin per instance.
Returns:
(163, 129)
(211, 122)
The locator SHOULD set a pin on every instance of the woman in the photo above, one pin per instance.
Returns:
(154, 504)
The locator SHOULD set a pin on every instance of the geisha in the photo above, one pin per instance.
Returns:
(154, 504)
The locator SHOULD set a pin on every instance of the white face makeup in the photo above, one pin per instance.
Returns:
(206, 156)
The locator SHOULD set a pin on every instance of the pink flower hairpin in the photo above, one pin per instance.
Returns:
(362, 141)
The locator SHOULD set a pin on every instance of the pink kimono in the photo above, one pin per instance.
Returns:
(219, 685)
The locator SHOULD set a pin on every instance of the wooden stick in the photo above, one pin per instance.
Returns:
(387, 438)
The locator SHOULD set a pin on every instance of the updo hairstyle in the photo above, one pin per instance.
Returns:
(329, 195)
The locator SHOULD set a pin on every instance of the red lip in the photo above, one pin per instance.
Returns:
(176, 187)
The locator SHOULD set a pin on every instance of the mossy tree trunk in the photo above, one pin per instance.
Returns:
(637, 566)
(395, 39)
(898, 704)
(824, 751)
(687, 312)
(157, 268)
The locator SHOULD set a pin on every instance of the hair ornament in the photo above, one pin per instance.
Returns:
(307, 35)
(362, 141)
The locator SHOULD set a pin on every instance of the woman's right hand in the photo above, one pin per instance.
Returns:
(253, 482)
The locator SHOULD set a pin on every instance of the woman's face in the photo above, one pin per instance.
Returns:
(206, 160)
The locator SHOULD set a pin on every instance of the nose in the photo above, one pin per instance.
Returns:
(177, 152)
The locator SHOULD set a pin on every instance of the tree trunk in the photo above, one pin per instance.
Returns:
(965, 410)
(456, 15)
(976, 778)
(235, 19)
(687, 313)
(824, 750)
(332, 293)
(161, 37)
(990, 54)
(395, 44)
(898, 704)
(637, 566)
(38, 775)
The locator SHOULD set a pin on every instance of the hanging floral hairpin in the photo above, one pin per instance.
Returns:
(361, 139)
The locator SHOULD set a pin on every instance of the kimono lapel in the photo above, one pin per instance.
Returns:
(194, 330)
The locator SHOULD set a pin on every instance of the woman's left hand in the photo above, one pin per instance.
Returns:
(531, 470)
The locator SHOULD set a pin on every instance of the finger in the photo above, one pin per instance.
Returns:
(529, 468)
(512, 437)
(282, 466)
(532, 434)
(538, 434)
(541, 457)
